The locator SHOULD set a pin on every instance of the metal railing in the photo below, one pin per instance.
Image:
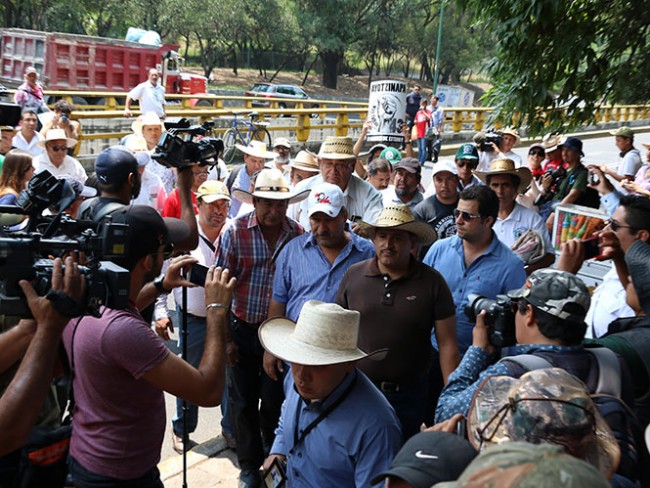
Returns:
(309, 114)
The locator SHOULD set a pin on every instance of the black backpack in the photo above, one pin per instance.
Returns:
(606, 395)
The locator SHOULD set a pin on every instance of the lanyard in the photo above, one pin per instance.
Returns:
(297, 440)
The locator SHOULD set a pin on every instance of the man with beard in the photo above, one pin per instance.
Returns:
(406, 180)
(282, 150)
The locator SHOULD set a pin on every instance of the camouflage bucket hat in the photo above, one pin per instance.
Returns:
(551, 290)
(524, 465)
(547, 406)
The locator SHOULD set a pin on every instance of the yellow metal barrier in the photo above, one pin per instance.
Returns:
(309, 114)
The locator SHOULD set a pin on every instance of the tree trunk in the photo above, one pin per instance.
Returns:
(311, 65)
(233, 52)
(330, 68)
(279, 69)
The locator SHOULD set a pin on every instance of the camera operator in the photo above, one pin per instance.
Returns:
(549, 312)
(121, 368)
(36, 341)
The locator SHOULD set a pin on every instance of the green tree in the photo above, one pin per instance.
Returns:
(549, 53)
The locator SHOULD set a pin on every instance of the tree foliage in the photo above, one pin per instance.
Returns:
(553, 53)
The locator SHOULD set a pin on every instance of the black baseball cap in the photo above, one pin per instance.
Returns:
(114, 164)
(148, 230)
(428, 458)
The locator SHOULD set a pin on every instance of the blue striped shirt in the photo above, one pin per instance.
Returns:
(303, 272)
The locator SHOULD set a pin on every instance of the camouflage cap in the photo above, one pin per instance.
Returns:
(551, 290)
(543, 406)
(524, 465)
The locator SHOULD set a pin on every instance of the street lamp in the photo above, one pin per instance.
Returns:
(435, 74)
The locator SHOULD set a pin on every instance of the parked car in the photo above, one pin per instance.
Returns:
(270, 90)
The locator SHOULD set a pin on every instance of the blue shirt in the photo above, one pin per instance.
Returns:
(303, 272)
(242, 182)
(349, 447)
(495, 272)
(457, 396)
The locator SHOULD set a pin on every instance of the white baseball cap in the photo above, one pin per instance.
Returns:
(326, 198)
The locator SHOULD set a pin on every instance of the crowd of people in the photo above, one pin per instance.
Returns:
(347, 306)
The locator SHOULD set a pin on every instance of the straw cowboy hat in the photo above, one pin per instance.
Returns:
(337, 148)
(551, 141)
(325, 333)
(505, 166)
(149, 118)
(511, 131)
(257, 149)
(306, 161)
(400, 217)
(270, 184)
(57, 135)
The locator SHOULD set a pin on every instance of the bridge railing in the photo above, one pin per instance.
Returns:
(307, 115)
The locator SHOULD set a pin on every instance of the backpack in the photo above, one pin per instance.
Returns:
(606, 395)
(89, 210)
(233, 176)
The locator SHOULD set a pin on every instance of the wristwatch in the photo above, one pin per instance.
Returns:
(158, 283)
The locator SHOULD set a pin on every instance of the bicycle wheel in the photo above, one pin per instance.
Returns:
(262, 135)
(229, 140)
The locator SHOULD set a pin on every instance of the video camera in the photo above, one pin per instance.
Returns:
(25, 253)
(184, 145)
(500, 317)
(491, 137)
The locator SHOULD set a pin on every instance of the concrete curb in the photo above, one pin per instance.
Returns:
(198, 454)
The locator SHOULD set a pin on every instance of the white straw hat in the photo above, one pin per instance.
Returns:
(400, 217)
(57, 135)
(148, 118)
(337, 148)
(257, 149)
(325, 333)
(272, 185)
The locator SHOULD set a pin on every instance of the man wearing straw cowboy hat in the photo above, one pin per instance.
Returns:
(55, 159)
(513, 219)
(302, 167)
(336, 161)
(402, 302)
(249, 247)
(336, 428)
(256, 155)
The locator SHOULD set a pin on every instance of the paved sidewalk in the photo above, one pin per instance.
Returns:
(208, 464)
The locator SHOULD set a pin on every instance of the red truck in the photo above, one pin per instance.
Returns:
(88, 63)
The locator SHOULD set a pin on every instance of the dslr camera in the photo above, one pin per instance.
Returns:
(491, 137)
(500, 317)
(557, 175)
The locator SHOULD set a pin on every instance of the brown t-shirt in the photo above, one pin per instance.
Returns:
(398, 315)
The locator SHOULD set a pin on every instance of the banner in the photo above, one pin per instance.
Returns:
(387, 111)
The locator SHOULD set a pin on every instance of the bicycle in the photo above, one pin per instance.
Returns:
(253, 130)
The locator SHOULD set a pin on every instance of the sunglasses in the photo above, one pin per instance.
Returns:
(59, 148)
(615, 225)
(537, 153)
(465, 215)
(469, 164)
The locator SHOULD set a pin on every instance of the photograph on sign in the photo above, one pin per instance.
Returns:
(386, 111)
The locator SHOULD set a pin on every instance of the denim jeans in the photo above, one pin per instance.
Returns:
(422, 150)
(254, 421)
(195, 346)
(410, 405)
(82, 478)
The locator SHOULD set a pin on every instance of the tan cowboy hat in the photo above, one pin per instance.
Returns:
(149, 118)
(505, 166)
(257, 149)
(270, 184)
(325, 333)
(551, 141)
(400, 217)
(306, 161)
(57, 135)
(541, 405)
(337, 148)
(511, 131)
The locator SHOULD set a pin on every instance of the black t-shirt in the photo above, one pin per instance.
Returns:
(438, 215)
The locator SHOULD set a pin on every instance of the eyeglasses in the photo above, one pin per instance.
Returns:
(465, 215)
(200, 173)
(615, 225)
(469, 164)
(59, 148)
(537, 153)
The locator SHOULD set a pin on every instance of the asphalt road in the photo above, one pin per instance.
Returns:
(597, 151)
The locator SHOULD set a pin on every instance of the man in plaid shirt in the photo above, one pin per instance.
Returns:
(249, 247)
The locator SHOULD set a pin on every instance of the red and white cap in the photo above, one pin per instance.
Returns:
(326, 198)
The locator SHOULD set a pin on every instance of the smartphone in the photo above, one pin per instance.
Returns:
(275, 476)
(594, 179)
(197, 274)
(592, 250)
